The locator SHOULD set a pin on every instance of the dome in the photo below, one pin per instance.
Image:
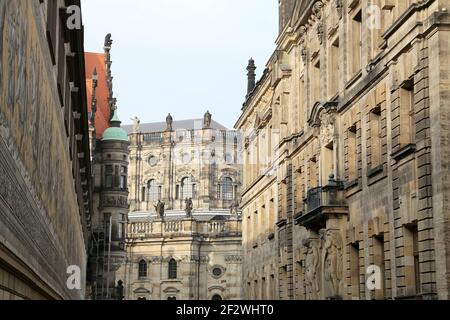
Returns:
(114, 133)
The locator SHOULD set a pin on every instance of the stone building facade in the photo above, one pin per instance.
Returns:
(184, 232)
(45, 189)
(346, 154)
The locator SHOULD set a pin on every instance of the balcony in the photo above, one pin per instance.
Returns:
(322, 202)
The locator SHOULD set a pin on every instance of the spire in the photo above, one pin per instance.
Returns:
(109, 78)
(115, 121)
(251, 76)
(94, 97)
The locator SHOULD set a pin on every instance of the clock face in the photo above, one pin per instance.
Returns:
(152, 161)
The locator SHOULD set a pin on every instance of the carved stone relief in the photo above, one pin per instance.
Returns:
(332, 262)
(312, 268)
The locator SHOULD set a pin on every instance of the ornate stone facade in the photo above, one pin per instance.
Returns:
(183, 258)
(45, 189)
(184, 180)
(348, 172)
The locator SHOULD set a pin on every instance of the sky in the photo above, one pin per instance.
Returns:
(182, 56)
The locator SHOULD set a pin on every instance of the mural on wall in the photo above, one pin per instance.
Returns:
(2, 26)
(38, 183)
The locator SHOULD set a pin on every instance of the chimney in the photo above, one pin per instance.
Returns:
(251, 76)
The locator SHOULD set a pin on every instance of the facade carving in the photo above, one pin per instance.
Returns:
(348, 172)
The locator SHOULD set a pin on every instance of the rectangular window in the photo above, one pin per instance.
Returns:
(109, 172)
(406, 113)
(411, 251)
(315, 82)
(312, 174)
(356, 43)
(352, 157)
(378, 259)
(333, 69)
(375, 137)
(354, 271)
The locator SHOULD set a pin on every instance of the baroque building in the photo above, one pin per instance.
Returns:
(109, 147)
(45, 186)
(184, 233)
(345, 150)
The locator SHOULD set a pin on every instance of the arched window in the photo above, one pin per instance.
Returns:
(186, 188)
(173, 269)
(227, 189)
(142, 269)
(216, 297)
(153, 191)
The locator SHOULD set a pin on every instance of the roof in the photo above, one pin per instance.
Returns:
(115, 133)
(97, 61)
(177, 125)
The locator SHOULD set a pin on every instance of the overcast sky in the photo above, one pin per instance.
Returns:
(181, 56)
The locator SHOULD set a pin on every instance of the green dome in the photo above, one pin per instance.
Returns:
(114, 133)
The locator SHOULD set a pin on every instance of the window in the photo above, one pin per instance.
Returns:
(406, 112)
(177, 192)
(143, 194)
(333, 69)
(186, 188)
(227, 189)
(122, 227)
(379, 257)
(172, 298)
(217, 272)
(356, 43)
(123, 177)
(173, 269)
(109, 172)
(412, 272)
(153, 191)
(216, 297)
(375, 137)
(354, 270)
(142, 269)
(316, 82)
(352, 153)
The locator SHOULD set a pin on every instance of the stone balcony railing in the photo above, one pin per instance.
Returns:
(185, 227)
(320, 202)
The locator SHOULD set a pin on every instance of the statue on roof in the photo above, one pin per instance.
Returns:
(159, 208)
(207, 120)
(108, 40)
(136, 125)
(234, 209)
(169, 122)
(189, 206)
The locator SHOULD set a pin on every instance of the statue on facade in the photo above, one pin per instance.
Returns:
(333, 261)
(189, 206)
(312, 269)
(119, 290)
(169, 123)
(234, 208)
(160, 207)
(207, 120)
(136, 125)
